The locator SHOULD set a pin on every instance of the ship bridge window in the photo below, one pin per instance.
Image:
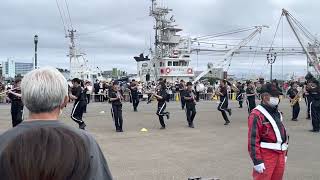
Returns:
(161, 64)
(169, 63)
(175, 63)
(183, 63)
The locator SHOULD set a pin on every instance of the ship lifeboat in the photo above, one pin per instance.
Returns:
(189, 71)
(162, 71)
(168, 70)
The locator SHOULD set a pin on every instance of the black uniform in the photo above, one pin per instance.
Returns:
(197, 93)
(190, 106)
(292, 93)
(87, 97)
(308, 100)
(162, 107)
(240, 95)
(116, 110)
(251, 99)
(134, 96)
(16, 108)
(96, 87)
(315, 108)
(223, 106)
(79, 106)
(182, 91)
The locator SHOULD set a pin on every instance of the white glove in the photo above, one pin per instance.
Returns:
(259, 168)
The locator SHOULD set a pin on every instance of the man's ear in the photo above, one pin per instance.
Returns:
(65, 102)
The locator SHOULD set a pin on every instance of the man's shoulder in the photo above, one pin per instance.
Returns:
(255, 113)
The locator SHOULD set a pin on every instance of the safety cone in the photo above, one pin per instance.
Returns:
(178, 97)
(144, 130)
(234, 96)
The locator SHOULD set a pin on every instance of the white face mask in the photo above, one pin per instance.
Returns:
(274, 101)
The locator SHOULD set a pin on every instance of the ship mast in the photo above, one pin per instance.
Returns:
(159, 14)
(76, 67)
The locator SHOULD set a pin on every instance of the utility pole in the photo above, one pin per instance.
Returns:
(36, 52)
(271, 57)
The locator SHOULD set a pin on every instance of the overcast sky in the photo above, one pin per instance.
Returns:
(111, 32)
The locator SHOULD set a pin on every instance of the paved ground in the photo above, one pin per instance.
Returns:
(209, 150)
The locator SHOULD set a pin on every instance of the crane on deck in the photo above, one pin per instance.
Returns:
(227, 57)
(311, 48)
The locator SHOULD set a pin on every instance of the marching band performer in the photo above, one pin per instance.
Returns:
(161, 97)
(115, 98)
(240, 93)
(197, 91)
(267, 137)
(190, 98)
(223, 106)
(293, 95)
(251, 96)
(182, 89)
(16, 103)
(308, 98)
(79, 96)
(134, 95)
(313, 89)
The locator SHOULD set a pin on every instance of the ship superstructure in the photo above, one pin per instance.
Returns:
(171, 57)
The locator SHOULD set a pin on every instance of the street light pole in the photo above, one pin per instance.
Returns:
(35, 51)
(271, 57)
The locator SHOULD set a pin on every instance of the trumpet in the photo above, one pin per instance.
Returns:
(217, 91)
(152, 95)
(5, 92)
(119, 96)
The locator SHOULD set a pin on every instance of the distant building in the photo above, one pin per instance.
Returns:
(10, 68)
(114, 74)
(23, 68)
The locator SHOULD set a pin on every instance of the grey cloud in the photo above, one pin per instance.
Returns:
(127, 28)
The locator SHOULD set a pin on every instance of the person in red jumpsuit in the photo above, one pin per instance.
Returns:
(267, 137)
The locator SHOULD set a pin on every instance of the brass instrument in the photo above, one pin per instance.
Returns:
(156, 91)
(119, 96)
(296, 98)
(5, 92)
(234, 88)
(216, 91)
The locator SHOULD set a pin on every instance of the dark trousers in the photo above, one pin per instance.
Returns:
(16, 112)
(87, 102)
(183, 102)
(88, 98)
(116, 112)
(191, 113)
(295, 110)
(315, 114)
(161, 112)
(223, 108)
(135, 102)
(251, 105)
(308, 100)
(77, 112)
(240, 100)
(197, 96)
(96, 97)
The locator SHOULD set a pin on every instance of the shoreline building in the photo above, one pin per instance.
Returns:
(11, 68)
